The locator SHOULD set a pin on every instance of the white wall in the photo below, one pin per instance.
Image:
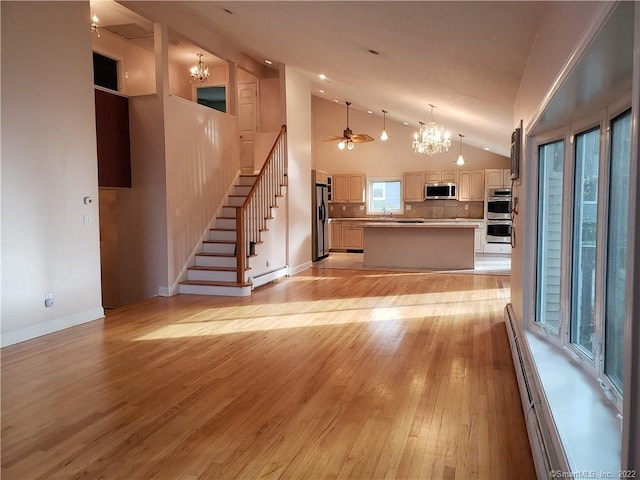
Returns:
(202, 160)
(297, 98)
(562, 27)
(49, 165)
(384, 159)
(136, 67)
(270, 115)
(142, 218)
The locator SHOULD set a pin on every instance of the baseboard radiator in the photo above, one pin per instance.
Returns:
(546, 448)
(268, 277)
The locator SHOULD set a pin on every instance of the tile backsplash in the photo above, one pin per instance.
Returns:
(426, 209)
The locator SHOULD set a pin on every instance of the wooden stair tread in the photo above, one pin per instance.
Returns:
(220, 241)
(222, 229)
(207, 254)
(217, 269)
(210, 283)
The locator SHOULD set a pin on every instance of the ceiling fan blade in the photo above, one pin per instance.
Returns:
(334, 138)
(361, 138)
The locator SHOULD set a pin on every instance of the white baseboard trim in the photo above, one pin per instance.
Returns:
(34, 331)
(300, 268)
(166, 291)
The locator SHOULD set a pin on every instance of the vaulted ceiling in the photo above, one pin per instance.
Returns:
(466, 58)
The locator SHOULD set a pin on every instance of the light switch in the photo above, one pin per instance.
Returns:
(86, 219)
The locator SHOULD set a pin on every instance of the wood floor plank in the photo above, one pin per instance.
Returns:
(327, 374)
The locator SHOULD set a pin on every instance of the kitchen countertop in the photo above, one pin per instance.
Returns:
(429, 224)
(408, 220)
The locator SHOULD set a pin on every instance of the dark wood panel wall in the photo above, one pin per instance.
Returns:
(114, 145)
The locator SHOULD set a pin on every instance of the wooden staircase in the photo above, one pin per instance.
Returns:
(222, 266)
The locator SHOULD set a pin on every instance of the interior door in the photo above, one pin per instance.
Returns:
(248, 120)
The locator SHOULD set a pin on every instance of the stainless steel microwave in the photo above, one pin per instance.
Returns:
(439, 191)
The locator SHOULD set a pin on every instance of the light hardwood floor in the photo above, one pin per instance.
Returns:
(328, 374)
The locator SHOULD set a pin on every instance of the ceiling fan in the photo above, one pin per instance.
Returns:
(348, 138)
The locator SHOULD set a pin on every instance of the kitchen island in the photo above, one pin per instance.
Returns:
(434, 245)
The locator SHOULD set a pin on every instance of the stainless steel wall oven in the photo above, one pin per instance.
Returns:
(499, 204)
(499, 215)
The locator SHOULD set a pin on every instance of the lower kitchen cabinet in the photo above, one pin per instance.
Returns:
(335, 234)
(352, 237)
(478, 241)
(346, 235)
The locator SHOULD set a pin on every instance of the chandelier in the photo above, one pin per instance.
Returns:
(431, 138)
(199, 71)
(95, 27)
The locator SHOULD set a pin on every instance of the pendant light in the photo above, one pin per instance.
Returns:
(460, 160)
(384, 136)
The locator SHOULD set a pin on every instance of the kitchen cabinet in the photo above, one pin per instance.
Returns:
(444, 176)
(346, 235)
(471, 185)
(449, 176)
(478, 240)
(413, 186)
(348, 188)
(497, 177)
(433, 177)
(335, 235)
(352, 237)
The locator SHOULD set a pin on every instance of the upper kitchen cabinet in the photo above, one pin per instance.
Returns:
(349, 187)
(445, 176)
(413, 186)
(471, 185)
(497, 178)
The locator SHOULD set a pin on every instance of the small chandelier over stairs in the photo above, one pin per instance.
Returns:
(199, 71)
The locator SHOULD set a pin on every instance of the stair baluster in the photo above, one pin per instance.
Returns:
(251, 217)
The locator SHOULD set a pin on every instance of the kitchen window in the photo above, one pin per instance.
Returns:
(384, 196)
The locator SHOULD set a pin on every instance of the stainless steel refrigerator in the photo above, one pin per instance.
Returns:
(321, 213)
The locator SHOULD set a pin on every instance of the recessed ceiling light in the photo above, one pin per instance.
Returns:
(336, 100)
(321, 91)
(268, 62)
(405, 123)
(322, 76)
(487, 149)
(369, 112)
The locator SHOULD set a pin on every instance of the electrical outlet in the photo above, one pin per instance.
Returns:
(344, 208)
(48, 300)
(466, 207)
(361, 207)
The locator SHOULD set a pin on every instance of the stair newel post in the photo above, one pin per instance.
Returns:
(241, 244)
